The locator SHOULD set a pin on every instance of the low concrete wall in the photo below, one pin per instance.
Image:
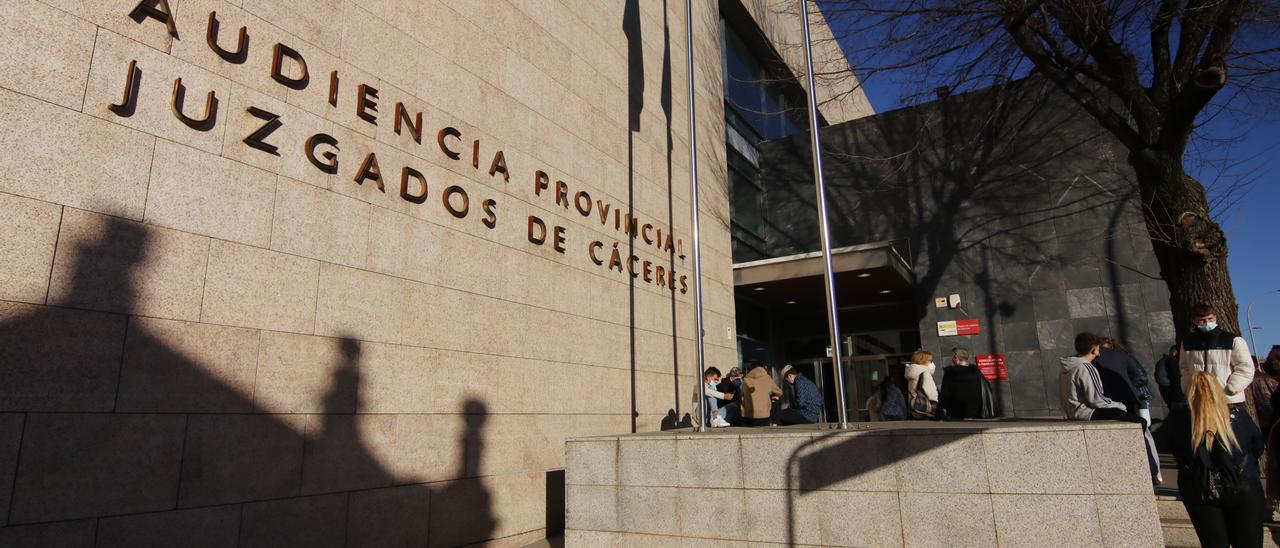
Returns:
(913, 484)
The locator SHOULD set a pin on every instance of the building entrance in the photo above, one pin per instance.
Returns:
(781, 319)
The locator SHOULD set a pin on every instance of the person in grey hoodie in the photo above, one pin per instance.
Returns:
(1082, 399)
(1080, 386)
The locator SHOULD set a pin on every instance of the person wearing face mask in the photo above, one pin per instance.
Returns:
(1218, 352)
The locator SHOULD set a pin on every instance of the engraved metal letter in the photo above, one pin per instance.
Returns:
(210, 108)
(242, 43)
(130, 102)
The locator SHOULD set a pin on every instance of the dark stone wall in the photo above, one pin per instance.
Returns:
(1011, 197)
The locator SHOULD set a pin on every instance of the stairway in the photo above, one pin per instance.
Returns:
(1178, 532)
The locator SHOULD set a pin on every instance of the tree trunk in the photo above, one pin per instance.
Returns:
(1189, 246)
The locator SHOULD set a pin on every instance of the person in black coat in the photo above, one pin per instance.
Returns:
(1123, 378)
(961, 392)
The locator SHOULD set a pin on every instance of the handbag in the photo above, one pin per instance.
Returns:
(921, 406)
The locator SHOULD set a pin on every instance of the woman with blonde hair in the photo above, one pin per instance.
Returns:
(922, 391)
(1217, 448)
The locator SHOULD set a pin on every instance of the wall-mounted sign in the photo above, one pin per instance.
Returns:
(992, 367)
(952, 328)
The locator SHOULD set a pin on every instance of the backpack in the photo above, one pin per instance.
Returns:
(1218, 474)
(893, 405)
(921, 406)
(988, 398)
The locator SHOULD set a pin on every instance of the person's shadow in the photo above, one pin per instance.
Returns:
(107, 414)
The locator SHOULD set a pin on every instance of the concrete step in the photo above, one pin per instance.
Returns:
(1178, 533)
(1171, 509)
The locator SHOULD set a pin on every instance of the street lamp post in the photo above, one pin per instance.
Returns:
(1248, 315)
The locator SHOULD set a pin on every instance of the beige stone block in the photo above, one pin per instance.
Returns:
(823, 463)
(71, 534)
(591, 462)
(10, 440)
(519, 504)
(1129, 520)
(58, 359)
(836, 529)
(766, 459)
(104, 263)
(649, 510)
(429, 447)
(1118, 461)
(591, 507)
(184, 367)
(949, 463)
(603, 539)
(289, 136)
(258, 288)
(391, 55)
(1031, 520)
(253, 67)
(45, 53)
(320, 224)
(396, 516)
(360, 304)
(638, 458)
(153, 111)
(344, 452)
(778, 516)
(238, 458)
(312, 20)
(318, 521)
(463, 512)
(704, 512)
(134, 465)
(114, 15)
(1053, 462)
(203, 193)
(27, 242)
(80, 161)
(937, 519)
(305, 374)
(214, 526)
(709, 461)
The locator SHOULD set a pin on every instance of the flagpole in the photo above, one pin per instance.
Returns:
(693, 205)
(824, 228)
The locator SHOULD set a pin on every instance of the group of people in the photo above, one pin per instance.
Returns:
(1217, 400)
(964, 393)
(756, 400)
(1205, 380)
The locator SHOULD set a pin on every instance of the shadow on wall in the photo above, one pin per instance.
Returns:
(1010, 197)
(142, 445)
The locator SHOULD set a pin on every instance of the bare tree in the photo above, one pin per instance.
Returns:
(1146, 70)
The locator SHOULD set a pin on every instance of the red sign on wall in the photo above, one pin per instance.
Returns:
(992, 367)
(967, 327)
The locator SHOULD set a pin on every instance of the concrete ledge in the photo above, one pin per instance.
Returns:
(973, 483)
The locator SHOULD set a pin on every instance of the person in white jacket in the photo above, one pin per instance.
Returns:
(1214, 350)
(920, 371)
(705, 400)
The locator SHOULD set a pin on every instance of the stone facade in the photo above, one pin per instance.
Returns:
(1012, 198)
(286, 290)
(892, 484)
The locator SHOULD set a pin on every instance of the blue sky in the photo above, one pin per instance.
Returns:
(1244, 149)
